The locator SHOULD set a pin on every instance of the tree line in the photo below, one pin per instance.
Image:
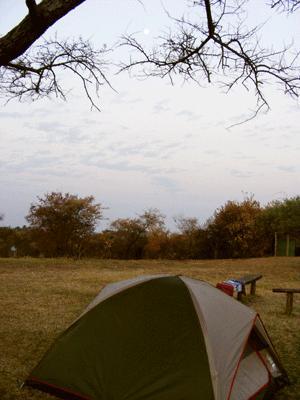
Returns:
(64, 225)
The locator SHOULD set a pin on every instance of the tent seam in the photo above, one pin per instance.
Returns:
(205, 336)
(51, 386)
(278, 361)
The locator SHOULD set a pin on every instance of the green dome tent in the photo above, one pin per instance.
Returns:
(162, 338)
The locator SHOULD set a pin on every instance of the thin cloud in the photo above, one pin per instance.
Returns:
(241, 156)
(135, 100)
(167, 183)
(242, 174)
(161, 107)
(123, 166)
(59, 132)
(211, 152)
(120, 97)
(288, 168)
(190, 115)
(155, 149)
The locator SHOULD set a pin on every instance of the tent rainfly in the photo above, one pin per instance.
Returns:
(162, 338)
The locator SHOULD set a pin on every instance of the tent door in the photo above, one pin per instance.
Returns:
(252, 377)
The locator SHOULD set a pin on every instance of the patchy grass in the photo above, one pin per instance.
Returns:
(40, 297)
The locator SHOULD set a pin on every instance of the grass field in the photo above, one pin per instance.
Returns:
(40, 297)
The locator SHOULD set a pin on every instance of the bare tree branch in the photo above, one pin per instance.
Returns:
(214, 45)
(286, 5)
(32, 8)
(218, 49)
(34, 75)
(33, 72)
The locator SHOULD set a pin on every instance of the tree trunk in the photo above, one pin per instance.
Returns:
(20, 38)
(275, 244)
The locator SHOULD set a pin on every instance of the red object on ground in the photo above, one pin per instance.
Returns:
(226, 288)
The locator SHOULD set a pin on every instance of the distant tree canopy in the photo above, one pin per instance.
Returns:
(132, 237)
(215, 40)
(63, 222)
(64, 225)
(234, 229)
(17, 242)
(191, 239)
(283, 216)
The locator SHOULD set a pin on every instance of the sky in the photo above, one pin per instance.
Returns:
(153, 145)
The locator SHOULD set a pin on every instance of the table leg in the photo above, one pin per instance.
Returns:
(253, 288)
(289, 303)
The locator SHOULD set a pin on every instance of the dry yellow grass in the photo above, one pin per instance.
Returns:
(39, 298)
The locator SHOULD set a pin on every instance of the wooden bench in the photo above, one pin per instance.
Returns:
(289, 297)
(247, 280)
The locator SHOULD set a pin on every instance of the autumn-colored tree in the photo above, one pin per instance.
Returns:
(156, 233)
(96, 246)
(128, 238)
(17, 241)
(191, 241)
(189, 229)
(152, 220)
(63, 223)
(137, 237)
(234, 230)
(24, 242)
(7, 240)
(157, 246)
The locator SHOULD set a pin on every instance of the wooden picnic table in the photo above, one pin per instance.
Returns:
(289, 297)
(248, 280)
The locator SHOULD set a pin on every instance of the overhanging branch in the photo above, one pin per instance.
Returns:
(36, 74)
(21, 37)
(206, 50)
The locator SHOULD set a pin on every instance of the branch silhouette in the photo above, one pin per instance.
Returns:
(216, 50)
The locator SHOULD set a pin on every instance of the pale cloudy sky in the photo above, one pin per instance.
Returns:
(152, 144)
